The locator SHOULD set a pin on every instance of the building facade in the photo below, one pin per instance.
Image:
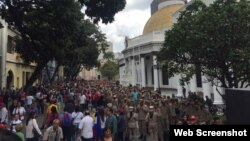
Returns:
(139, 65)
(14, 73)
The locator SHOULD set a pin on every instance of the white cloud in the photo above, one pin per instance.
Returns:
(138, 4)
(129, 22)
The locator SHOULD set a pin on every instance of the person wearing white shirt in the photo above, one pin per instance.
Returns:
(4, 113)
(19, 110)
(86, 127)
(30, 99)
(31, 124)
(76, 117)
(16, 121)
(83, 102)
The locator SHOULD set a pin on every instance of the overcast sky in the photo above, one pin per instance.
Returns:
(129, 22)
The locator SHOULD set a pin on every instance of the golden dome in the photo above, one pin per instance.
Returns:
(161, 19)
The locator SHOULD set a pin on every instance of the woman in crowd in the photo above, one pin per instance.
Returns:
(31, 127)
(107, 134)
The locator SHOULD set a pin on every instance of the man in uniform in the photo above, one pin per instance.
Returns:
(152, 119)
(142, 112)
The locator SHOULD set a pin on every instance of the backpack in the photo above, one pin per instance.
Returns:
(66, 122)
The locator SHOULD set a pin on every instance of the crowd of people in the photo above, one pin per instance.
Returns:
(99, 111)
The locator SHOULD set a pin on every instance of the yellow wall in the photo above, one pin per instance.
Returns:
(17, 67)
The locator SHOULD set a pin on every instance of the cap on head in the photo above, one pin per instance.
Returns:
(109, 105)
(151, 107)
(192, 118)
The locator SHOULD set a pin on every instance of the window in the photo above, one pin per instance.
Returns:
(198, 76)
(11, 45)
(165, 79)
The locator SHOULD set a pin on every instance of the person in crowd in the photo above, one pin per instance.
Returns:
(100, 124)
(54, 132)
(33, 108)
(52, 104)
(152, 119)
(31, 127)
(23, 98)
(30, 98)
(66, 124)
(6, 135)
(76, 118)
(142, 112)
(134, 97)
(121, 125)
(3, 114)
(52, 116)
(107, 134)
(111, 121)
(86, 127)
(40, 104)
(16, 121)
(20, 111)
(12, 107)
(132, 118)
(19, 132)
(83, 101)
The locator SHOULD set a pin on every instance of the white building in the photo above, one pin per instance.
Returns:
(139, 65)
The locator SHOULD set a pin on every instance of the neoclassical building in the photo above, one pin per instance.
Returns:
(139, 65)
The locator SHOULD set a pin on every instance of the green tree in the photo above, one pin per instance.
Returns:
(109, 56)
(48, 29)
(214, 38)
(89, 43)
(110, 69)
(104, 10)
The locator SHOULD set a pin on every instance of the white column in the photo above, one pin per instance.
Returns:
(133, 71)
(193, 84)
(143, 75)
(179, 87)
(218, 100)
(206, 87)
(156, 85)
(3, 41)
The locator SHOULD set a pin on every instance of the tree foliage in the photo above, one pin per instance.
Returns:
(109, 56)
(110, 69)
(104, 10)
(91, 42)
(214, 37)
(53, 29)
